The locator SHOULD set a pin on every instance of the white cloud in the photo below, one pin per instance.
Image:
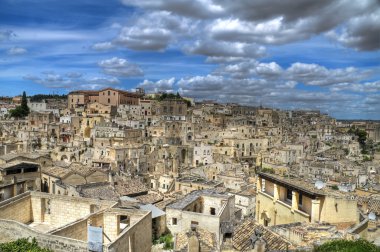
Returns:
(103, 46)
(71, 80)
(165, 85)
(120, 67)
(16, 51)
(153, 31)
(317, 75)
(214, 48)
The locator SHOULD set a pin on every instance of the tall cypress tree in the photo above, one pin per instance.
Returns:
(24, 104)
(22, 110)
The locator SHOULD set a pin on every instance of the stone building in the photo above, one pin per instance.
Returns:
(63, 223)
(28, 172)
(107, 96)
(205, 209)
(282, 200)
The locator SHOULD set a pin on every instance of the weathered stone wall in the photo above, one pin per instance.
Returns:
(77, 231)
(17, 208)
(278, 211)
(339, 210)
(12, 230)
(138, 237)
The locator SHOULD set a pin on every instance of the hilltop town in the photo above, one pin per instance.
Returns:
(159, 171)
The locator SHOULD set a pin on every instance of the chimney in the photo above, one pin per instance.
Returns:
(259, 245)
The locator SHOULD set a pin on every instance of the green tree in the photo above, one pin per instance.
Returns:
(22, 110)
(362, 136)
(347, 246)
(24, 103)
(22, 245)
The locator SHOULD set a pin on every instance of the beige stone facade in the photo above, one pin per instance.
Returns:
(51, 218)
(283, 201)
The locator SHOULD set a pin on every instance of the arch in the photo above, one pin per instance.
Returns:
(64, 158)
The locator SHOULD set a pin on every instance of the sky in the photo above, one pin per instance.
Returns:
(285, 54)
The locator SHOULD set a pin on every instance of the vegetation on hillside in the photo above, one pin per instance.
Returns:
(22, 245)
(348, 246)
(41, 97)
(171, 96)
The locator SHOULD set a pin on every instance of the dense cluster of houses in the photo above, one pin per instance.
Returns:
(217, 177)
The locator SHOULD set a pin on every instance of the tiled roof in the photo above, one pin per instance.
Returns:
(241, 239)
(130, 187)
(98, 191)
(207, 240)
(149, 198)
(81, 169)
(194, 195)
(56, 171)
(10, 156)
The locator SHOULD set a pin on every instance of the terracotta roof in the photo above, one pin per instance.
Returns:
(207, 240)
(241, 239)
(81, 169)
(89, 92)
(56, 171)
(101, 190)
(150, 198)
(130, 187)
(297, 184)
(121, 91)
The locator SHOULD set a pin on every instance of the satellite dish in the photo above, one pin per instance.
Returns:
(372, 216)
(319, 184)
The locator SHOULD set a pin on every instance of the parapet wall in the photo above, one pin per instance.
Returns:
(12, 230)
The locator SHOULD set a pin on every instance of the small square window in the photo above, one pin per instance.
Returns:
(174, 221)
(212, 210)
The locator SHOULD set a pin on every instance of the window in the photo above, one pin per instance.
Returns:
(212, 210)
(300, 199)
(109, 100)
(174, 221)
(288, 194)
(109, 92)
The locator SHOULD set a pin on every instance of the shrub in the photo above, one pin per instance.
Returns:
(167, 240)
(22, 245)
(347, 246)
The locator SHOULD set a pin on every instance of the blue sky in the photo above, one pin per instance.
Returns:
(309, 55)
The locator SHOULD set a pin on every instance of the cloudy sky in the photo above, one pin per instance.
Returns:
(286, 54)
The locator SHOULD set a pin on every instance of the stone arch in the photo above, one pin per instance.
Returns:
(73, 159)
(193, 245)
(64, 158)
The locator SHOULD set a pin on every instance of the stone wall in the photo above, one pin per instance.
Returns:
(77, 231)
(278, 211)
(13, 230)
(138, 237)
(339, 210)
(17, 208)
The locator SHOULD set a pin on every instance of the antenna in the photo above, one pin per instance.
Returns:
(372, 216)
(319, 184)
